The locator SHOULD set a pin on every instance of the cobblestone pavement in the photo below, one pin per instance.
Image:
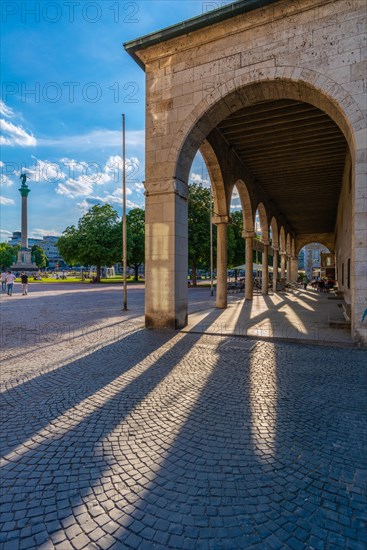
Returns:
(118, 437)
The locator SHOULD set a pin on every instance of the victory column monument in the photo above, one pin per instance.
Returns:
(24, 261)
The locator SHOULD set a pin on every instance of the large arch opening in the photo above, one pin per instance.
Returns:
(291, 142)
(289, 150)
(317, 262)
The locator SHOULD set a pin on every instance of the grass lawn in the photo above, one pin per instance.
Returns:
(110, 280)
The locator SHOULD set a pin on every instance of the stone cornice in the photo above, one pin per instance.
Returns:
(167, 187)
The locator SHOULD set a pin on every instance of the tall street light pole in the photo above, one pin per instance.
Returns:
(124, 228)
(211, 241)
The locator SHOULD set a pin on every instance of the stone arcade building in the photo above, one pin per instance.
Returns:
(273, 94)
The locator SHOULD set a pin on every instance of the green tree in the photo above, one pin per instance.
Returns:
(39, 255)
(96, 241)
(199, 233)
(135, 220)
(236, 243)
(7, 254)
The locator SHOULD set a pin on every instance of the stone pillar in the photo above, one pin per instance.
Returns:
(24, 192)
(24, 242)
(294, 269)
(249, 239)
(265, 269)
(166, 254)
(282, 264)
(289, 269)
(221, 296)
(275, 268)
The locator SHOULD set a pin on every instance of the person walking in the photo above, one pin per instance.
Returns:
(305, 282)
(3, 280)
(10, 278)
(24, 279)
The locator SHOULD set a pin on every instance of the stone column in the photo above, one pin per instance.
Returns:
(289, 269)
(221, 295)
(24, 192)
(265, 269)
(24, 242)
(249, 239)
(294, 269)
(166, 250)
(282, 264)
(275, 268)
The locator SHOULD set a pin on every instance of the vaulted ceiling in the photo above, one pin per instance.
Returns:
(297, 154)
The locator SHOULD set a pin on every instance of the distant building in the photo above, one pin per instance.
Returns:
(48, 243)
(312, 258)
(17, 239)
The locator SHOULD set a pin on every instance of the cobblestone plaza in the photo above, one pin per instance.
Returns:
(119, 437)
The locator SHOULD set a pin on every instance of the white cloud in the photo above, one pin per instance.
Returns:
(4, 201)
(94, 174)
(114, 199)
(197, 178)
(95, 140)
(78, 187)
(44, 170)
(114, 168)
(15, 135)
(235, 193)
(40, 233)
(5, 110)
(5, 233)
(140, 187)
(5, 181)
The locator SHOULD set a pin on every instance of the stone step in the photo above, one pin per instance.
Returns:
(339, 323)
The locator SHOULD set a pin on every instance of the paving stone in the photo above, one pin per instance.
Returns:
(80, 541)
(126, 438)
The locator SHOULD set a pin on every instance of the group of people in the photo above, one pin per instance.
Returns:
(321, 285)
(7, 282)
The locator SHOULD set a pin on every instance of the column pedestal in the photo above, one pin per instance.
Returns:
(166, 251)
(294, 262)
(275, 268)
(221, 296)
(265, 270)
(289, 269)
(282, 264)
(249, 240)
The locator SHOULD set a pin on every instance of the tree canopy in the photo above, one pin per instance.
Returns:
(96, 241)
(39, 256)
(199, 235)
(135, 221)
(236, 243)
(7, 254)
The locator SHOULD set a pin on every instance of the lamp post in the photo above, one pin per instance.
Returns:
(124, 228)
(211, 242)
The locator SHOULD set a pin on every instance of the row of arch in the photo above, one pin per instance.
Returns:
(225, 175)
(273, 232)
(198, 130)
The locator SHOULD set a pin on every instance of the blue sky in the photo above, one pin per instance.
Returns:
(65, 82)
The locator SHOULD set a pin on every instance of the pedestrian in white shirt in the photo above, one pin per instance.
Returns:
(3, 280)
(10, 278)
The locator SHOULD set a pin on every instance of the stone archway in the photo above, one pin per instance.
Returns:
(265, 90)
(189, 95)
